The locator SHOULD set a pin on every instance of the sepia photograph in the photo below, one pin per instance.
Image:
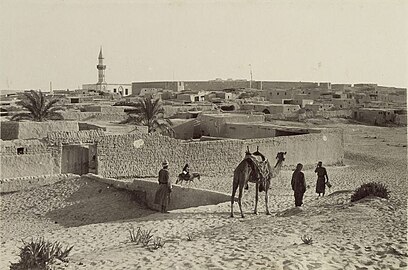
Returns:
(203, 134)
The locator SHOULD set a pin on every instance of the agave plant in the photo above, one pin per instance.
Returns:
(308, 240)
(38, 254)
(39, 107)
(150, 114)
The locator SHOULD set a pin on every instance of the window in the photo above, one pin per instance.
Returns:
(21, 151)
(114, 90)
(277, 94)
(126, 91)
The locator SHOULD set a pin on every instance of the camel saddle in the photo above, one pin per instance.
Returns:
(260, 171)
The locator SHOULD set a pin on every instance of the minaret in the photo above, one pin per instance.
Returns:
(101, 71)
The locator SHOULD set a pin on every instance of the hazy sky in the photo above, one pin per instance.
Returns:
(337, 41)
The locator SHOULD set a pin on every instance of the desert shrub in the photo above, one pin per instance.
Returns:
(308, 240)
(134, 238)
(158, 243)
(190, 237)
(145, 237)
(38, 254)
(370, 189)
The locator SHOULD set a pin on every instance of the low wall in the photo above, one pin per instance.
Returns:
(335, 114)
(141, 155)
(94, 116)
(24, 183)
(181, 197)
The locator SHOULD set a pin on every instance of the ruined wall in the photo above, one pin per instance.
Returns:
(142, 154)
(20, 158)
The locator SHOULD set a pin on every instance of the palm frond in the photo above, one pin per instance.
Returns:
(38, 108)
(22, 116)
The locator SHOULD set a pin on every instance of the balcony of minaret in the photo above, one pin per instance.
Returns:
(101, 67)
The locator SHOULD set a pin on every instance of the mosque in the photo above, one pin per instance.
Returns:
(123, 88)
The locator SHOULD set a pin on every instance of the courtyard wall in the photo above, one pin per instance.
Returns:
(141, 155)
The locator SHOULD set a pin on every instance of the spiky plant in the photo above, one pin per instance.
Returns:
(308, 240)
(158, 243)
(150, 114)
(190, 236)
(39, 107)
(370, 189)
(39, 254)
(143, 237)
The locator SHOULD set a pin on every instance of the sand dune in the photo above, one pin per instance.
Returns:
(369, 234)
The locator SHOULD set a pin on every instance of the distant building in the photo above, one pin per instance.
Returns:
(120, 88)
(375, 116)
(343, 103)
(285, 109)
(191, 97)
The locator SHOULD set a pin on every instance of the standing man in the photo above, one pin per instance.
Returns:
(298, 185)
(322, 178)
(163, 192)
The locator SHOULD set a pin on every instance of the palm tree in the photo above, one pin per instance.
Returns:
(39, 107)
(150, 113)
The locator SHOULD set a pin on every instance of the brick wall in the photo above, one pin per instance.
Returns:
(118, 157)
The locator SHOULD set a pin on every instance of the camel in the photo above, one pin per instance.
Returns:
(248, 171)
(182, 178)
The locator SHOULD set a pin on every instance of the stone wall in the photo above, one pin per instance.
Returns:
(12, 130)
(20, 158)
(74, 137)
(142, 154)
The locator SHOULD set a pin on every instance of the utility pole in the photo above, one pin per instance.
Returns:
(51, 91)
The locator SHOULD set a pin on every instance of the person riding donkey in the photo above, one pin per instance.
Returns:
(186, 172)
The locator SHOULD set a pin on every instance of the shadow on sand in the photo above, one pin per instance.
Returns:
(95, 202)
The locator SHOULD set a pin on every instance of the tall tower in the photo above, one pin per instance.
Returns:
(101, 84)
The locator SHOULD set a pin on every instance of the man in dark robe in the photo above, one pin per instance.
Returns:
(163, 192)
(298, 185)
(322, 178)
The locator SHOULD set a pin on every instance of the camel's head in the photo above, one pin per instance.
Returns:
(281, 156)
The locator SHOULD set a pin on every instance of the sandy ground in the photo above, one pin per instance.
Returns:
(370, 234)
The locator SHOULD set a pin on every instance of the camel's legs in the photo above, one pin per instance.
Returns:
(234, 190)
(241, 187)
(267, 201)
(256, 199)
